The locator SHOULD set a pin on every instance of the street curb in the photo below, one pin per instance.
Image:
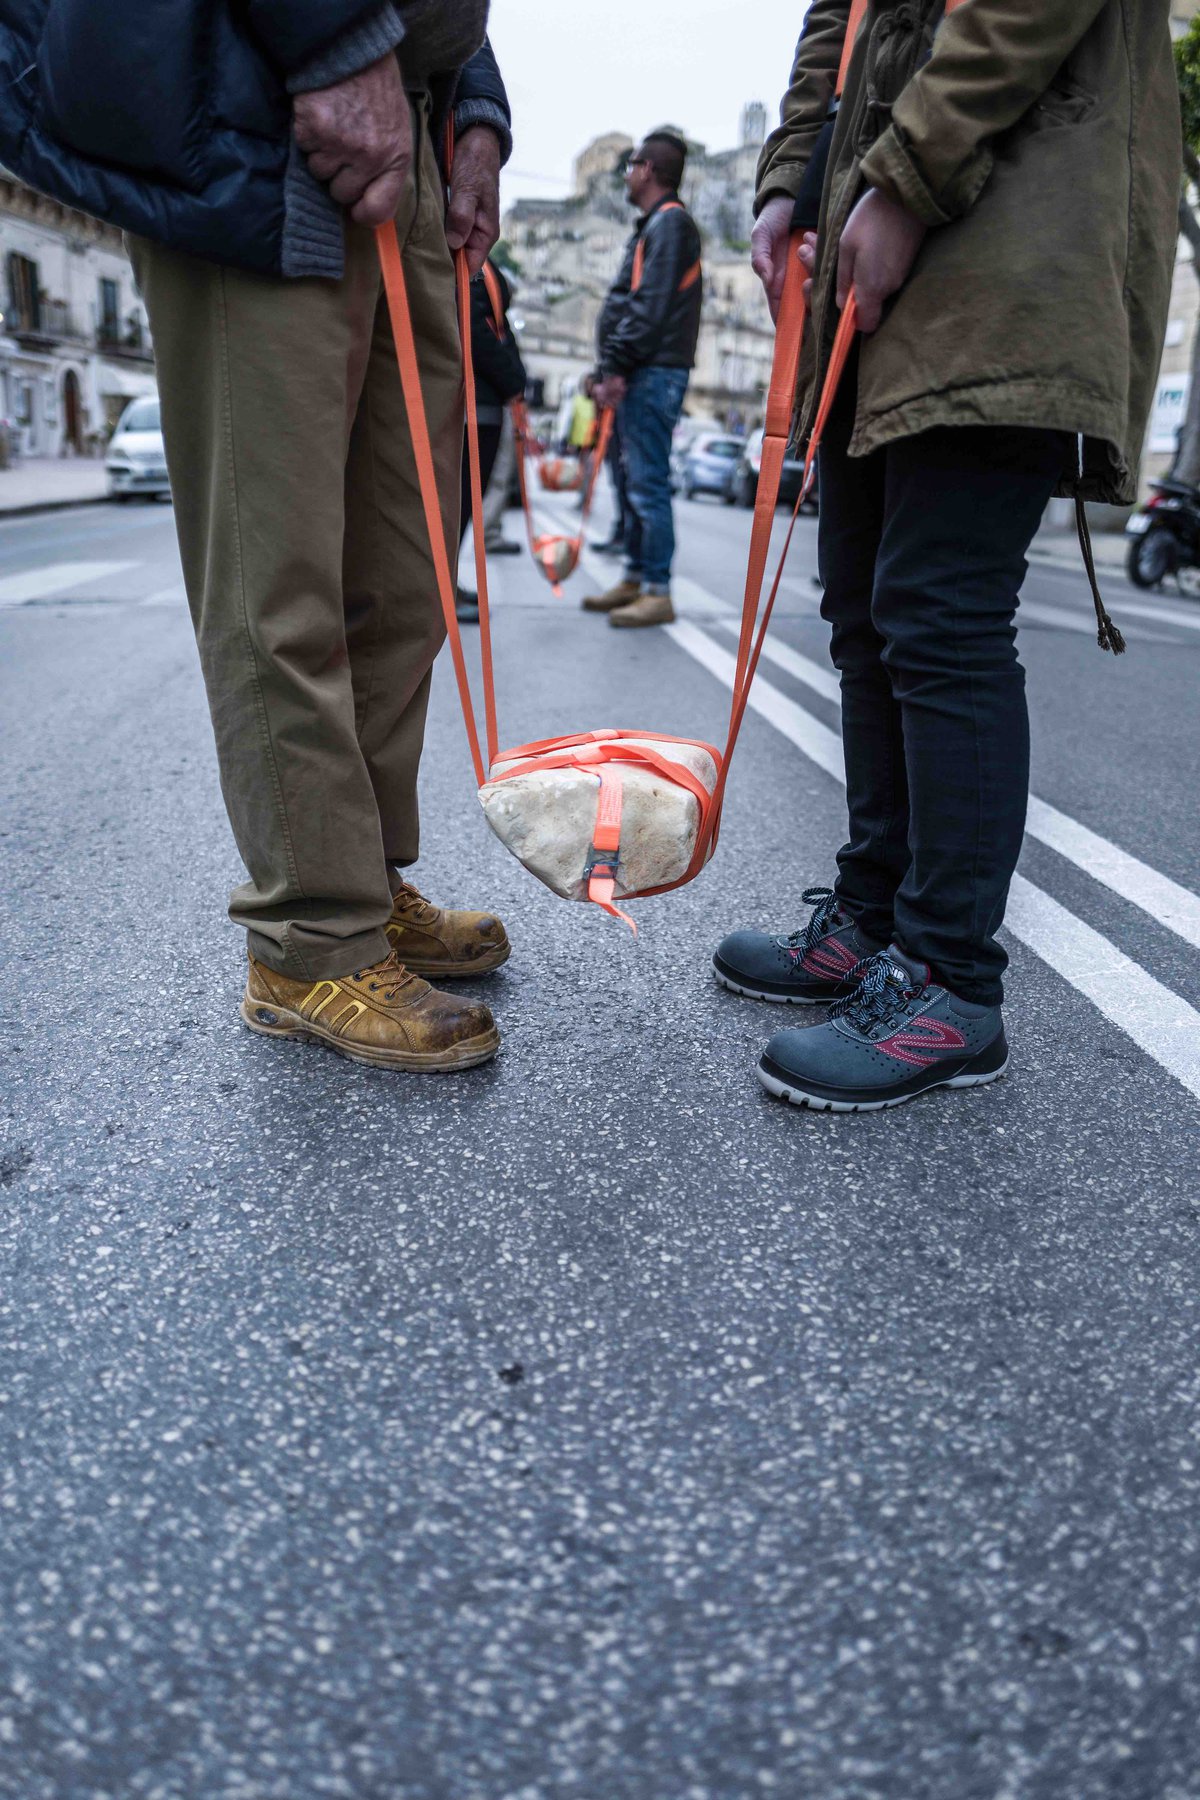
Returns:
(47, 506)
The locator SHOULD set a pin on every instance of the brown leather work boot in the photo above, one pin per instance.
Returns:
(429, 941)
(650, 609)
(383, 1016)
(621, 595)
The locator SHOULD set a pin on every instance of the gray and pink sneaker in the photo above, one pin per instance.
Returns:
(897, 1035)
(810, 968)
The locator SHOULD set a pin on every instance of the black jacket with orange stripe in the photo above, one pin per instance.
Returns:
(651, 318)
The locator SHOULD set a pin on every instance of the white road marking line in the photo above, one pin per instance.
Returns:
(1063, 620)
(1145, 609)
(1121, 599)
(168, 596)
(1172, 905)
(1157, 1020)
(823, 681)
(54, 578)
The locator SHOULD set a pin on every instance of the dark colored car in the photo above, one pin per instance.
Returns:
(744, 488)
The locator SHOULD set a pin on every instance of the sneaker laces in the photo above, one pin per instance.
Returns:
(882, 993)
(390, 976)
(819, 925)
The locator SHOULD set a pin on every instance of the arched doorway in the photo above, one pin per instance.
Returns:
(72, 414)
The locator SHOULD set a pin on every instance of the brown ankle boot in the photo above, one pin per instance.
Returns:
(621, 595)
(443, 944)
(383, 1016)
(648, 609)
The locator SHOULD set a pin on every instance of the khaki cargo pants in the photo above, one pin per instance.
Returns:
(307, 564)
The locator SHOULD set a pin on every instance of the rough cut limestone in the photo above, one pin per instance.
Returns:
(561, 474)
(558, 556)
(546, 819)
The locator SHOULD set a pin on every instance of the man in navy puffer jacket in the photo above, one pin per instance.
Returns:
(249, 147)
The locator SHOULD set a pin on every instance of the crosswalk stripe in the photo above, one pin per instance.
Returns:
(1146, 609)
(54, 578)
(1162, 1024)
(1037, 613)
(1172, 905)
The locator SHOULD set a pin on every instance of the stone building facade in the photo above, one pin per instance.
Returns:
(74, 339)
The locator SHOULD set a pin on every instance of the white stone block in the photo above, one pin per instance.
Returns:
(547, 818)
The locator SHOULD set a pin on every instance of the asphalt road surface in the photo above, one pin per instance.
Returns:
(588, 1426)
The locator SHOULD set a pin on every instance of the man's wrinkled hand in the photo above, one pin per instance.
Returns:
(611, 391)
(878, 249)
(473, 215)
(357, 137)
(769, 247)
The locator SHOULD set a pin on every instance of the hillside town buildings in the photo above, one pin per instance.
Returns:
(74, 339)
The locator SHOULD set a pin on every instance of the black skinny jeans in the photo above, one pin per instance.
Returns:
(922, 554)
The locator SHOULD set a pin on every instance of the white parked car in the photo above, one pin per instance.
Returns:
(136, 462)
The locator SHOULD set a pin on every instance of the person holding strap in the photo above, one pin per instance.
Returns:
(647, 335)
(1000, 191)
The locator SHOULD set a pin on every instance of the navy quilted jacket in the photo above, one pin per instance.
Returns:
(171, 118)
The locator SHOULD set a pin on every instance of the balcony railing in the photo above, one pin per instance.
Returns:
(51, 324)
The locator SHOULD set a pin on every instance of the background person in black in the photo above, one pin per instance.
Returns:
(499, 378)
(647, 341)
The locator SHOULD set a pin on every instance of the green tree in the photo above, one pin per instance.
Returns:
(1186, 466)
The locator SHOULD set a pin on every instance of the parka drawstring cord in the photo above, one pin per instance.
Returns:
(1107, 634)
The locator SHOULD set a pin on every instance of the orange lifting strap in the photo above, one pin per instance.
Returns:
(604, 753)
(556, 556)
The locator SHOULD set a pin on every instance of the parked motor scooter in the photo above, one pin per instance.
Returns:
(1164, 535)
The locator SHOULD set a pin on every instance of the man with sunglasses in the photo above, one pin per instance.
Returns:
(647, 342)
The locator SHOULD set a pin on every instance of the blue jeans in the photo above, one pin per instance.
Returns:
(649, 414)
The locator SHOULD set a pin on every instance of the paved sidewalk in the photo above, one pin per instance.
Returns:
(39, 483)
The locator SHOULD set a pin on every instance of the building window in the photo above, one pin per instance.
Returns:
(110, 312)
(24, 293)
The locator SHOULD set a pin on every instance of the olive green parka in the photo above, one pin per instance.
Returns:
(1040, 142)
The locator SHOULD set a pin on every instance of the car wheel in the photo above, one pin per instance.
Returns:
(747, 491)
(1151, 559)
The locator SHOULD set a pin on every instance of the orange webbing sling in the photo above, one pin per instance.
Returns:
(599, 752)
(604, 752)
(556, 554)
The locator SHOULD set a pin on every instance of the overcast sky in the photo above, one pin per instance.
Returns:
(575, 68)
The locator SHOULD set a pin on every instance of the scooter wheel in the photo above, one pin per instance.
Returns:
(1151, 559)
